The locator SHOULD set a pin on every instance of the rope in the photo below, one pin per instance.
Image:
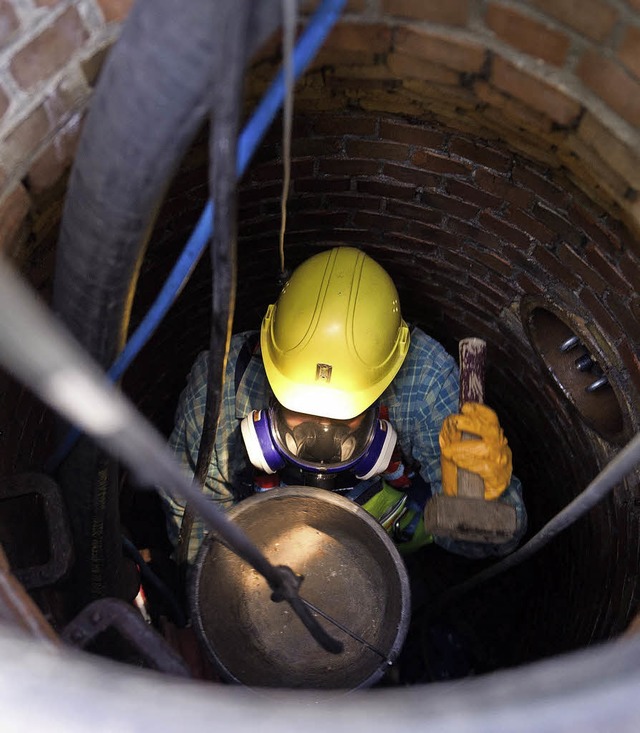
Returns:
(290, 20)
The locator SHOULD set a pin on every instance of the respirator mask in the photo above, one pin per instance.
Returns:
(277, 437)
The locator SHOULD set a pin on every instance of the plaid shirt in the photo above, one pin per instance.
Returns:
(423, 393)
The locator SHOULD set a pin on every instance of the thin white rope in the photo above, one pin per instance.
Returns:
(290, 20)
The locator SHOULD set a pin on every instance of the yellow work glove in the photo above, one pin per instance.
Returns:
(489, 455)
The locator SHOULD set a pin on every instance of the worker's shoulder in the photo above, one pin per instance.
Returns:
(241, 343)
(426, 354)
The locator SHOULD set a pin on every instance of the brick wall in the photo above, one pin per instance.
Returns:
(557, 80)
(471, 226)
(50, 53)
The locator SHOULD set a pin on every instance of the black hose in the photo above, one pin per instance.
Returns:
(154, 93)
(225, 123)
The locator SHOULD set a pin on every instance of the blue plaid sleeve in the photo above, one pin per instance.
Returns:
(228, 453)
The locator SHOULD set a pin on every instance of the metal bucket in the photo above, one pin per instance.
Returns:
(352, 572)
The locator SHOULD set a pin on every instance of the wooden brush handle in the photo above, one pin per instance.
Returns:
(472, 356)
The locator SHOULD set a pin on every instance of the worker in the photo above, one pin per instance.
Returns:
(336, 391)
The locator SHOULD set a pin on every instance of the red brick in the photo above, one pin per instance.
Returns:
(601, 315)
(629, 50)
(296, 204)
(482, 154)
(530, 225)
(631, 361)
(92, 66)
(540, 185)
(315, 147)
(405, 66)
(535, 92)
(55, 160)
(344, 125)
(556, 222)
(592, 228)
(609, 270)
(450, 205)
(378, 150)
(272, 171)
(13, 211)
(554, 269)
(612, 84)
(411, 134)
(528, 285)
(591, 18)
(379, 222)
(625, 316)
(438, 163)
(260, 193)
(405, 242)
(115, 10)
(358, 37)
(496, 262)
(356, 82)
(464, 260)
(468, 232)
(457, 54)
(630, 268)
(622, 156)
(472, 193)
(26, 136)
(527, 34)
(4, 103)
(510, 116)
(576, 264)
(48, 52)
(414, 212)
(385, 189)
(410, 175)
(9, 22)
(308, 220)
(503, 188)
(433, 234)
(320, 185)
(503, 230)
(448, 12)
(348, 166)
(353, 201)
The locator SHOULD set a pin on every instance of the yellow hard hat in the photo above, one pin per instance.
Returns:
(335, 338)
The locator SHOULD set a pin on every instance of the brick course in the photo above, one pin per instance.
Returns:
(537, 93)
(591, 18)
(448, 12)
(13, 210)
(115, 10)
(9, 22)
(629, 50)
(50, 50)
(610, 82)
(527, 34)
(454, 53)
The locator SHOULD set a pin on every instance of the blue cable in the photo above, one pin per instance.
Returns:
(312, 38)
